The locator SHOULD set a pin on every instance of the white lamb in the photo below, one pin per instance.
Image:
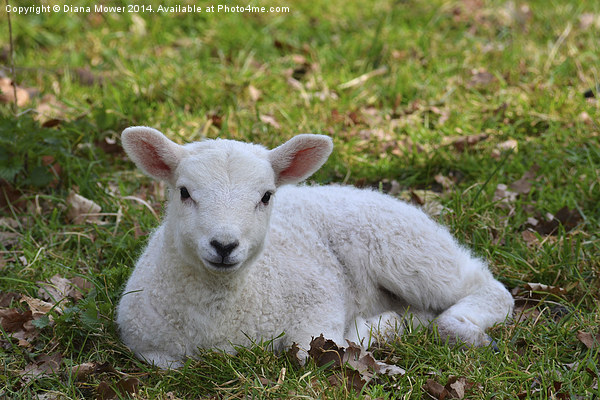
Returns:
(244, 255)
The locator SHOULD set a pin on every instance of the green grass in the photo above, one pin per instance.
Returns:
(190, 77)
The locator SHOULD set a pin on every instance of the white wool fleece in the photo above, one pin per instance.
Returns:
(243, 256)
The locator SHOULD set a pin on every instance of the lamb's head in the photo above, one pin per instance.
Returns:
(222, 191)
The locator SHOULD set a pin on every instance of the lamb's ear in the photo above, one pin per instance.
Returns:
(299, 157)
(152, 152)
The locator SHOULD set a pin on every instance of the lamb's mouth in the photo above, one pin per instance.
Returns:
(222, 265)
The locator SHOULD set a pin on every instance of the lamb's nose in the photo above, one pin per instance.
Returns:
(224, 250)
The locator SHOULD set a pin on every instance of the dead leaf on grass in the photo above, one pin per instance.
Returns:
(124, 387)
(82, 371)
(82, 210)
(508, 145)
(7, 93)
(43, 365)
(87, 77)
(542, 288)
(588, 339)
(462, 143)
(587, 20)
(254, 93)
(531, 239)
(455, 388)
(427, 199)
(481, 78)
(7, 298)
(357, 367)
(524, 184)
(435, 390)
(59, 288)
(38, 307)
(567, 217)
(504, 197)
(12, 320)
(446, 182)
(270, 120)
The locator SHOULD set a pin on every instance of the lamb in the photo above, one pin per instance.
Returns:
(243, 254)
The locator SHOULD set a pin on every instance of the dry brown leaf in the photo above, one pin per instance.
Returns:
(87, 77)
(7, 93)
(129, 386)
(588, 339)
(50, 112)
(80, 287)
(427, 199)
(254, 93)
(504, 197)
(59, 288)
(82, 210)
(39, 307)
(445, 181)
(462, 143)
(12, 320)
(457, 387)
(82, 371)
(530, 239)
(110, 145)
(270, 120)
(481, 78)
(435, 390)
(523, 185)
(542, 288)
(7, 298)
(324, 351)
(43, 365)
(509, 144)
(587, 20)
(357, 366)
(292, 355)
(568, 218)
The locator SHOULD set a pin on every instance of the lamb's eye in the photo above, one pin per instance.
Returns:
(184, 193)
(266, 197)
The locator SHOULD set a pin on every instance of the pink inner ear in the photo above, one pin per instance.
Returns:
(300, 164)
(153, 161)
